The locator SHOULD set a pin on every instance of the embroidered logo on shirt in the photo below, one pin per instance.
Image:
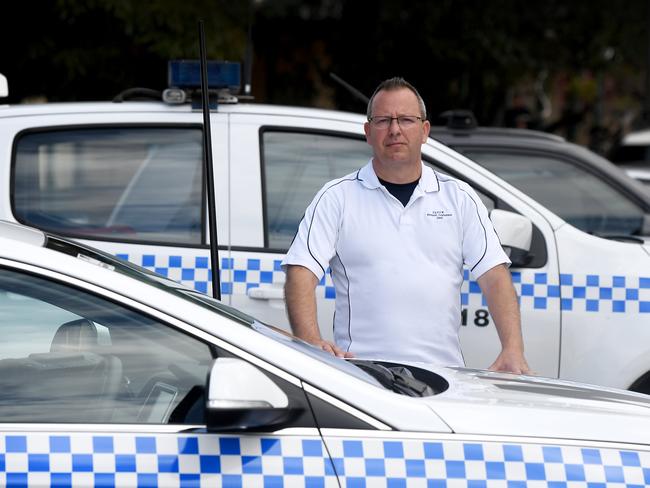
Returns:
(439, 214)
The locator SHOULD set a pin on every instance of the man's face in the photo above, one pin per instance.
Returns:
(395, 144)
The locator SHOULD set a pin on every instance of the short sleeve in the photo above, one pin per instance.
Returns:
(315, 242)
(482, 249)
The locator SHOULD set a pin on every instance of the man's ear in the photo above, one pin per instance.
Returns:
(426, 128)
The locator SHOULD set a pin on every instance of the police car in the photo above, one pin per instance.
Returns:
(128, 177)
(114, 376)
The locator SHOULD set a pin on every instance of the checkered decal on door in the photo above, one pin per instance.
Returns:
(202, 460)
(164, 460)
(578, 293)
(415, 463)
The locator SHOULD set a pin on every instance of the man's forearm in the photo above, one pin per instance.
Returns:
(300, 297)
(496, 285)
(501, 298)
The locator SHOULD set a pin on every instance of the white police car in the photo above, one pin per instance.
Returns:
(128, 178)
(111, 376)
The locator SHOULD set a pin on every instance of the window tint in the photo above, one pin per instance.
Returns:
(296, 166)
(131, 184)
(573, 193)
(68, 356)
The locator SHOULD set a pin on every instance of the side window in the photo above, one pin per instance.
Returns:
(487, 200)
(578, 196)
(69, 356)
(538, 251)
(129, 183)
(296, 166)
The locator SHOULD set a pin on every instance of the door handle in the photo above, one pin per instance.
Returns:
(266, 293)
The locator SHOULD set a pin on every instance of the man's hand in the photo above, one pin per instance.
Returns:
(301, 308)
(511, 362)
(496, 285)
(331, 348)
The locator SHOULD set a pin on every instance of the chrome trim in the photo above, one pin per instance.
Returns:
(245, 404)
(346, 408)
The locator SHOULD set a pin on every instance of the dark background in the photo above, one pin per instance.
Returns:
(576, 68)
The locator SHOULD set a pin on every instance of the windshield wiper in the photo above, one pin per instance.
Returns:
(396, 378)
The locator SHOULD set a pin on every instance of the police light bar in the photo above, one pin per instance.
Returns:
(186, 74)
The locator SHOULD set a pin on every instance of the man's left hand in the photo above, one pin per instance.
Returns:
(511, 362)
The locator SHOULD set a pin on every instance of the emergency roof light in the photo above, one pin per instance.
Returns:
(185, 74)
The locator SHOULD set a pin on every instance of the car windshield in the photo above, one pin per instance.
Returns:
(399, 379)
(578, 196)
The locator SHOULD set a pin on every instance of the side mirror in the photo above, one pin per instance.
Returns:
(4, 86)
(515, 233)
(242, 397)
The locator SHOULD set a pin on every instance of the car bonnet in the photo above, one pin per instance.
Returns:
(484, 402)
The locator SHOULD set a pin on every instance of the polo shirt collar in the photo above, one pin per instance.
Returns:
(428, 180)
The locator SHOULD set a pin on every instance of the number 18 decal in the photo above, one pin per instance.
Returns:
(481, 317)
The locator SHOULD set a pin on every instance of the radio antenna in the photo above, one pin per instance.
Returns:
(209, 169)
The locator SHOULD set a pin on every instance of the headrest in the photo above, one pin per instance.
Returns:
(76, 335)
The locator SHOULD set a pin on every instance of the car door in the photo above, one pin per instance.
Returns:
(128, 183)
(282, 162)
(95, 392)
(604, 267)
(537, 281)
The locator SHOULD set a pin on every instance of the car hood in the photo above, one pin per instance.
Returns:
(484, 402)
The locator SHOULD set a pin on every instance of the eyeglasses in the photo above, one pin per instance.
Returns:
(384, 121)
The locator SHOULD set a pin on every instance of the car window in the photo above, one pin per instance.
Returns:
(129, 183)
(578, 196)
(69, 356)
(296, 165)
(487, 200)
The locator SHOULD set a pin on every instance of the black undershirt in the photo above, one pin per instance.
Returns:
(401, 191)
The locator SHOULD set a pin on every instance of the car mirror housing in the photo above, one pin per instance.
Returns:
(515, 233)
(242, 397)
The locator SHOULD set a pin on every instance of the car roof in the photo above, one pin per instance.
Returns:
(63, 108)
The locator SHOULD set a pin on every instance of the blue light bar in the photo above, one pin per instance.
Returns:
(186, 73)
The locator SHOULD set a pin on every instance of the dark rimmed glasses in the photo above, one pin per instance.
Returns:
(384, 121)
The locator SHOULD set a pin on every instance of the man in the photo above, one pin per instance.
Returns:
(396, 235)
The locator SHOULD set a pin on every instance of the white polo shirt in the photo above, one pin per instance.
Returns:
(397, 270)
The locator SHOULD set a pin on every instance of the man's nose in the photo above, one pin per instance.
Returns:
(394, 126)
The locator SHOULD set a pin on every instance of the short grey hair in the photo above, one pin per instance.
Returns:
(396, 83)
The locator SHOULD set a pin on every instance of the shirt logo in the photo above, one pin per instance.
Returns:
(439, 214)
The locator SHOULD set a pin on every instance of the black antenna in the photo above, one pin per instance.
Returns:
(207, 157)
(248, 57)
(356, 93)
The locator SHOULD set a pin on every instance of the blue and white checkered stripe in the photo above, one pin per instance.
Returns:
(272, 461)
(578, 293)
(415, 463)
(115, 460)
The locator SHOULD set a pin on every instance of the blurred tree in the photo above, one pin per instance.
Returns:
(460, 54)
(92, 49)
